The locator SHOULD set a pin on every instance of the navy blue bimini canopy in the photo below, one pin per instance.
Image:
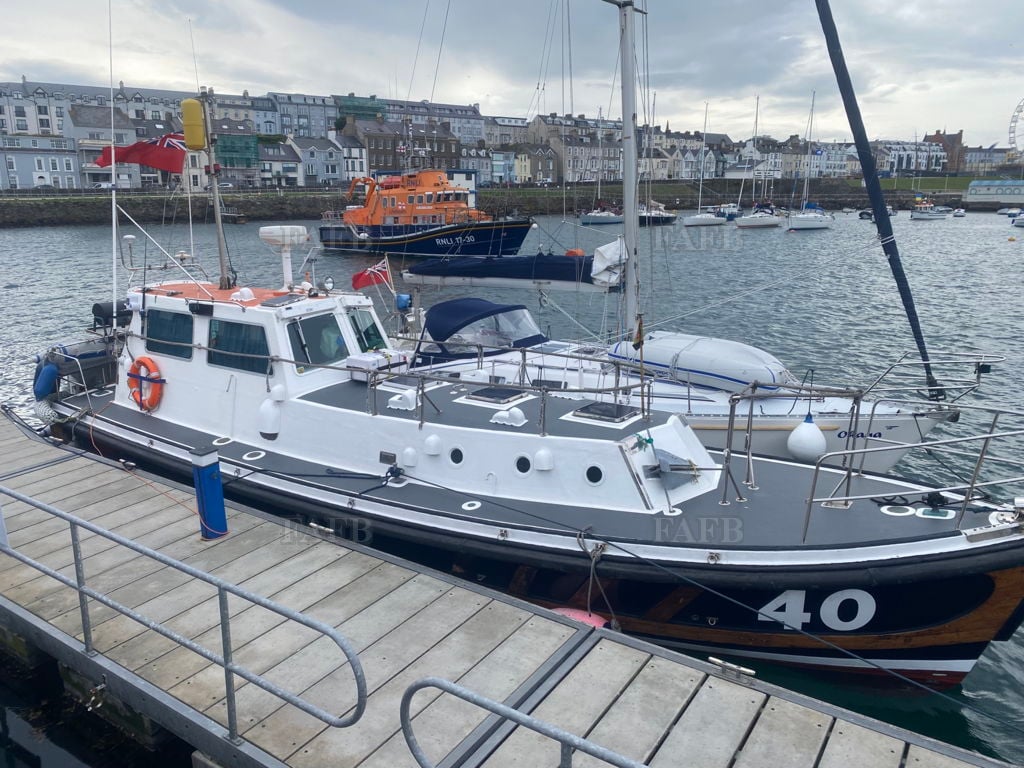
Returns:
(448, 317)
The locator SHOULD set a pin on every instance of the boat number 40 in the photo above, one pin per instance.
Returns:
(843, 611)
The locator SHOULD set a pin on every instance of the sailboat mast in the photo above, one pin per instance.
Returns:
(703, 144)
(630, 190)
(807, 170)
(874, 188)
(753, 176)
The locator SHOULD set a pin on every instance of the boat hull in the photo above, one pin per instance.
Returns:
(490, 238)
(874, 617)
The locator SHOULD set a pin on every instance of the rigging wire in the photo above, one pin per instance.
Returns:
(416, 56)
(440, 49)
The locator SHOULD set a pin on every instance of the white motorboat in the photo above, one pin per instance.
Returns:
(925, 211)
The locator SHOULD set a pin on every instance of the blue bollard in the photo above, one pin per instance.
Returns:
(213, 520)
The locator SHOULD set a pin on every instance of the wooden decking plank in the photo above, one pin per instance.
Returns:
(110, 634)
(311, 663)
(575, 704)
(104, 497)
(31, 539)
(288, 728)
(712, 727)
(451, 658)
(205, 616)
(919, 757)
(853, 745)
(181, 664)
(51, 607)
(103, 570)
(638, 720)
(62, 559)
(785, 734)
(442, 723)
(30, 453)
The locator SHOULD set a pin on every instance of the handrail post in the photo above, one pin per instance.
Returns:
(83, 601)
(229, 676)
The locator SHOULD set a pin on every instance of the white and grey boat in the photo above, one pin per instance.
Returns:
(553, 496)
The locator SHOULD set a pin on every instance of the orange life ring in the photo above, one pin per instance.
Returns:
(145, 386)
(575, 252)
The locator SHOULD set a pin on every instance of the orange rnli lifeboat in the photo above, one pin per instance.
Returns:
(422, 213)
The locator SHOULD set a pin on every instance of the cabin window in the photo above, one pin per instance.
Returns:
(240, 346)
(430, 197)
(169, 333)
(316, 340)
(419, 199)
(393, 202)
(412, 199)
(368, 335)
(384, 202)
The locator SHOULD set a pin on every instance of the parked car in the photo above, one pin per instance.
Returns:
(220, 185)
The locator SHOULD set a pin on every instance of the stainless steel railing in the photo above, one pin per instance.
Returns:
(568, 741)
(224, 588)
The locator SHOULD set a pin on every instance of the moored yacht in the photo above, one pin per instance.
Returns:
(550, 493)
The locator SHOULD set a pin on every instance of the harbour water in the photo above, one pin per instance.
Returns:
(822, 301)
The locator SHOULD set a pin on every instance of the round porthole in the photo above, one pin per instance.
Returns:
(456, 455)
(594, 474)
(523, 465)
(222, 441)
(254, 455)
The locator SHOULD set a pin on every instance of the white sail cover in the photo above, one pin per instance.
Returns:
(609, 263)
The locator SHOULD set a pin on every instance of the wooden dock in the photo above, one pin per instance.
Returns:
(406, 622)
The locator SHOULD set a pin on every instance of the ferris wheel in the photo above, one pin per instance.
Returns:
(1014, 149)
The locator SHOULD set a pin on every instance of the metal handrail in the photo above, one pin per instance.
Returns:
(568, 741)
(224, 588)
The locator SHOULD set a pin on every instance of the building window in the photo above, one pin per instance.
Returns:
(58, 111)
(68, 166)
(19, 112)
(42, 109)
(39, 163)
(44, 123)
(10, 164)
(20, 124)
(54, 164)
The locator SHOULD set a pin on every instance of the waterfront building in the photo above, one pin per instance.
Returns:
(995, 193)
(985, 161)
(478, 160)
(953, 145)
(537, 164)
(504, 165)
(321, 161)
(305, 115)
(32, 161)
(353, 155)
(464, 122)
(393, 147)
(265, 118)
(504, 131)
(279, 166)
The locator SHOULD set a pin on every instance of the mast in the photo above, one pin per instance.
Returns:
(630, 190)
(807, 170)
(874, 188)
(703, 144)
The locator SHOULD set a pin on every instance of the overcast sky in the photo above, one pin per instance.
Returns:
(917, 65)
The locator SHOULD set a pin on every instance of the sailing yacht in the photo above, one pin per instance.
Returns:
(811, 215)
(762, 214)
(602, 213)
(704, 219)
(308, 409)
